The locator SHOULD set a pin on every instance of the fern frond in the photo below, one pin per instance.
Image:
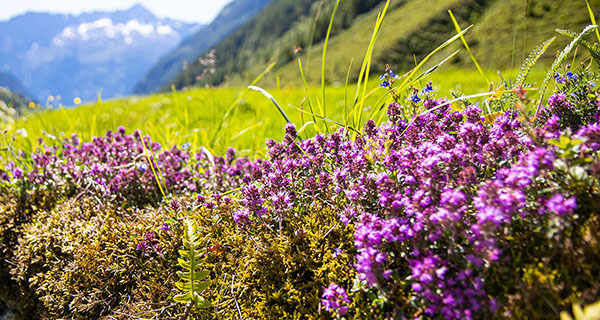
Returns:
(561, 59)
(190, 260)
(531, 60)
(594, 49)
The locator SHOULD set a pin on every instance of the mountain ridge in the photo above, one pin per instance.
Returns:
(83, 55)
(229, 19)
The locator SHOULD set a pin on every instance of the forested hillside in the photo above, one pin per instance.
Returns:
(281, 31)
(503, 33)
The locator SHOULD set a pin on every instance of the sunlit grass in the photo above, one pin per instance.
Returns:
(193, 116)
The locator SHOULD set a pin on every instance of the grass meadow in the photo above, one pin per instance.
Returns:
(193, 116)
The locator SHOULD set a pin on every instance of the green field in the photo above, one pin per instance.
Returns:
(193, 116)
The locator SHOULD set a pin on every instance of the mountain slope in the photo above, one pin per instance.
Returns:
(229, 19)
(82, 55)
(13, 94)
(13, 84)
(497, 24)
(503, 34)
(273, 34)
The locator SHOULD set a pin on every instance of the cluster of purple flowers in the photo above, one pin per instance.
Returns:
(335, 299)
(149, 245)
(116, 166)
(434, 202)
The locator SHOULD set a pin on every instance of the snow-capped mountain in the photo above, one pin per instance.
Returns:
(81, 56)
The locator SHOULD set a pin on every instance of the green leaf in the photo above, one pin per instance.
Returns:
(183, 298)
(202, 303)
(184, 275)
(184, 264)
(202, 286)
(201, 275)
(183, 286)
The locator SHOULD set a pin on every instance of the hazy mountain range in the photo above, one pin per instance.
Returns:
(81, 56)
(234, 15)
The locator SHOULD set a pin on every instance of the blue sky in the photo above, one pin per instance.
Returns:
(200, 11)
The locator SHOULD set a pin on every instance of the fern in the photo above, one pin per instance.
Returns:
(561, 59)
(191, 279)
(594, 49)
(531, 60)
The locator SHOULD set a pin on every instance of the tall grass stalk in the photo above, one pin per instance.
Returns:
(464, 41)
(308, 96)
(151, 163)
(337, 3)
(592, 18)
(270, 96)
(346, 95)
(363, 78)
(407, 81)
(236, 101)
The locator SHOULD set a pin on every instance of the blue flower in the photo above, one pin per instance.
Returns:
(185, 146)
(385, 84)
(142, 167)
(414, 99)
(388, 73)
(571, 75)
(337, 252)
(427, 89)
(559, 78)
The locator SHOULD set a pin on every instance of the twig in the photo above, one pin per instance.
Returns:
(331, 229)
(130, 316)
(234, 299)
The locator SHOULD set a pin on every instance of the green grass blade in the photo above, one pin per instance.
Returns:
(268, 95)
(241, 133)
(341, 125)
(304, 127)
(432, 69)
(308, 95)
(366, 68)
(464, 41)
(323, 62)
(346, 92)
(236, 101)
(592, 18)
(152, 165)
(406, 81)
